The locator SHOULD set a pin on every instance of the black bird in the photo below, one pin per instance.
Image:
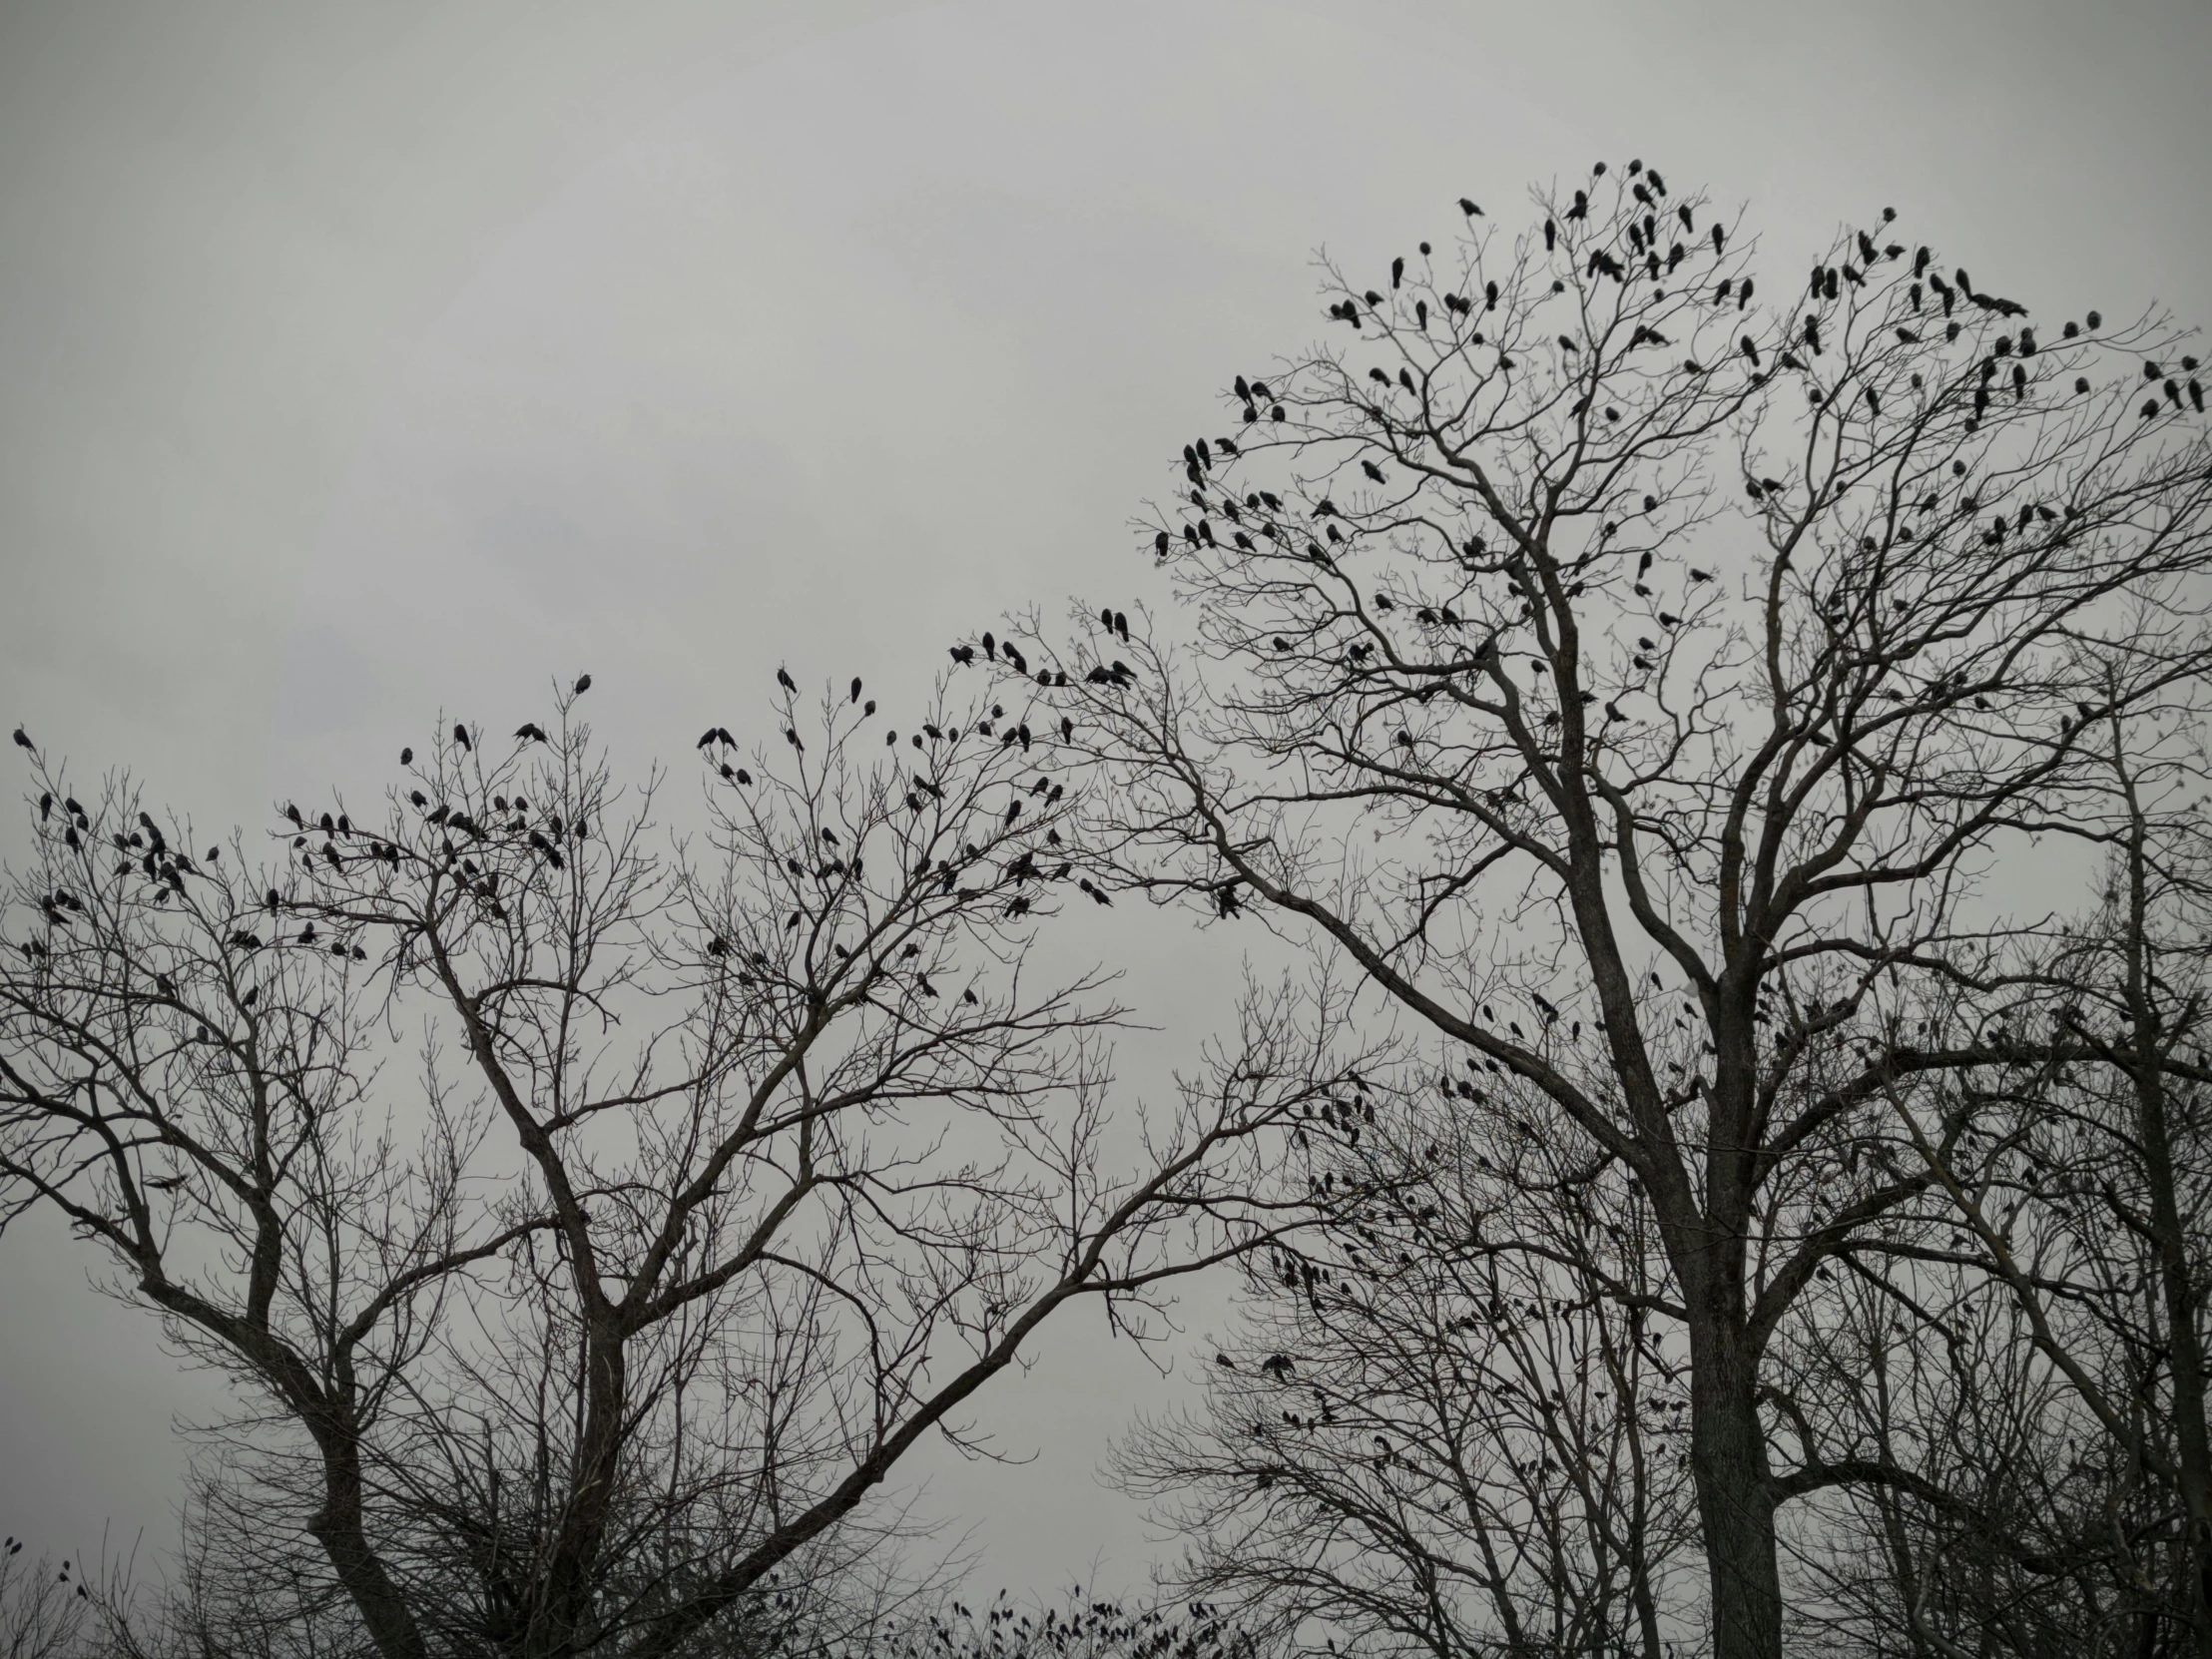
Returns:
(1468, 207)
(1121, 627)
(460, 736)
(784, 680)
(1372, 470)
(1397, 271)
(530, 732)
(21, 741)
(406, 757)
(964, 654)
(856, 697)
(583, 684)
(1718, 243)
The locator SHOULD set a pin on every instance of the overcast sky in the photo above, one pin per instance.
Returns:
(362, 361)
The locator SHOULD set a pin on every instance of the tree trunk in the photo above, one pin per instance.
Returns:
(2146, 1069)
(1736, 1499)
(337, 1526)
(2192, 1443)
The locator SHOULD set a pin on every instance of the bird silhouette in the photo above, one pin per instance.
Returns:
(784, 680)
(460, 736)
(22, 741)
(583, 684)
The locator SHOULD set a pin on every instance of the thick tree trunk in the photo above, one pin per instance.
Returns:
(1736, 1499)
(566, 1619)
(337, 1527)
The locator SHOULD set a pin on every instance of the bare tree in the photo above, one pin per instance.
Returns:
(2081, 1178)
(1674, 671)
(42, 1608)
(1449, 1427)
(732, 1177)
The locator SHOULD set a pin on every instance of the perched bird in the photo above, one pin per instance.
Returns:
(460, 736)
(21, 741)
(583, 684)
(530, 732)
(856, 696)
(784, 680)
(406, 757)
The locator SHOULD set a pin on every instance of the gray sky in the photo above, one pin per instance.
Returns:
(359, 361)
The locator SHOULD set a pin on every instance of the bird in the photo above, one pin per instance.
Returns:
(1469, 208)
(856, 695)
(784, 680)
(22, 741)
(583, 684)
(406, 757)
(530, 732)
(460, 736)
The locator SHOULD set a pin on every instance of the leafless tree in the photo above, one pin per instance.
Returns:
(2075, 1272)
(42, 1607)
(1449, 1427)
(1671, 656)
(712, 1183)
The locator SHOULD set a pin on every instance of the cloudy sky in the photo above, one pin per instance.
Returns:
(359, 363)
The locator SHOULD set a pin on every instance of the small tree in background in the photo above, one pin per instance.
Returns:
(710, 1187)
